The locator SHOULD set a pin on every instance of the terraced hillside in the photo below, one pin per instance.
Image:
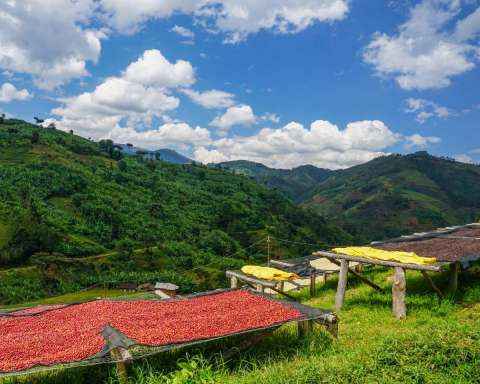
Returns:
(64, 200)
(397, 194)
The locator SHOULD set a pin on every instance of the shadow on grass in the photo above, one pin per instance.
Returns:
(420, 295)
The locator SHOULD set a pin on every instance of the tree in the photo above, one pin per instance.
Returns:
(38, 120)
(2, 118)
(35, 137)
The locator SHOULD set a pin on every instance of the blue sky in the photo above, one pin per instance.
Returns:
(285, 82)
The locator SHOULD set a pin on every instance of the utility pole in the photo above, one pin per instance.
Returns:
(268, 250)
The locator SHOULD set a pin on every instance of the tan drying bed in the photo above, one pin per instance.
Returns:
(318, 268)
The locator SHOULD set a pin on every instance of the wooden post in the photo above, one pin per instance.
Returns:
(359, 268)
(453, 278)
(281, 286)
(342, 285)
(324, 277)
(432, 284)
(260, 288)
(304, 327)
(399, 287)
(122, 358)
(233, 282)
(312, 283)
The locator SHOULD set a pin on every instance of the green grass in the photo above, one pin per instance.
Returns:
(73, 298)
(438, 343)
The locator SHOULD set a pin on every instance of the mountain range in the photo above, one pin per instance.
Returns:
(297, 183)
(164, 154)
(386, 197)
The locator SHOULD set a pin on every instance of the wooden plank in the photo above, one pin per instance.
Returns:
(241, 276)
(284, 294)
(122, 358)
(453, 277)
(399, 288)
(233, 282)
(281, 263)
(434, 268)
(432, 284)
(342, 285)
(364, 279)
(312, 284)
(304, 327)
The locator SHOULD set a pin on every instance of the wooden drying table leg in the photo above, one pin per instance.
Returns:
(122, 358)
(432, 284)
(342, 285)
(312, 283)
(304, 327)
(399, 288)
(453, 277)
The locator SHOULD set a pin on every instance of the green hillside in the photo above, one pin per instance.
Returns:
(394, 195)
(74, 212)
(296, 183)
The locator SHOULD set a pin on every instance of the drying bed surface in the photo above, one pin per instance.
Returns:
(444, 249)
(73, 333)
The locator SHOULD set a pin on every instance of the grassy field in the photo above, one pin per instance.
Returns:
(72, 298)
(438, 343)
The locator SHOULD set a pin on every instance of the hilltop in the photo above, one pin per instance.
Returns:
(74, 212)
(297, 183)
(394, 195)
(386, 197)
(164, 154)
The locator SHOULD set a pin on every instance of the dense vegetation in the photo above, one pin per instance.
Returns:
(386, 197)
(439, 343)
(396, 194)
(74, 212)
(297, 183)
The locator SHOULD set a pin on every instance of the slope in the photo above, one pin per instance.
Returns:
(64, 199)
(394, 195)
(296, 183)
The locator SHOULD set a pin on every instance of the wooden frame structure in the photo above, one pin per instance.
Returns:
(260, 285)
(399, 278)
(399, 284)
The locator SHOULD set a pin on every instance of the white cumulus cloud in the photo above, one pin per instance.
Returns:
(9, 92)
(322, 144)
(241, 114)
(52, 40)
(182, 31)
(418, 141)
(153, 69)
(427, 51)
(179, 135)
(141, 93)
(211, 99)
(464, 158)
(425, 109)
(236, 19)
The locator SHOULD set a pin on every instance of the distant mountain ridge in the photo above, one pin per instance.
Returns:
(164, 154)
(297, 183)
(394, 195)
(385, 197)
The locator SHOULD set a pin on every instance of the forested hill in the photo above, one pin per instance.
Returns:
(396, 194)
(64, 198)
(297, 183)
